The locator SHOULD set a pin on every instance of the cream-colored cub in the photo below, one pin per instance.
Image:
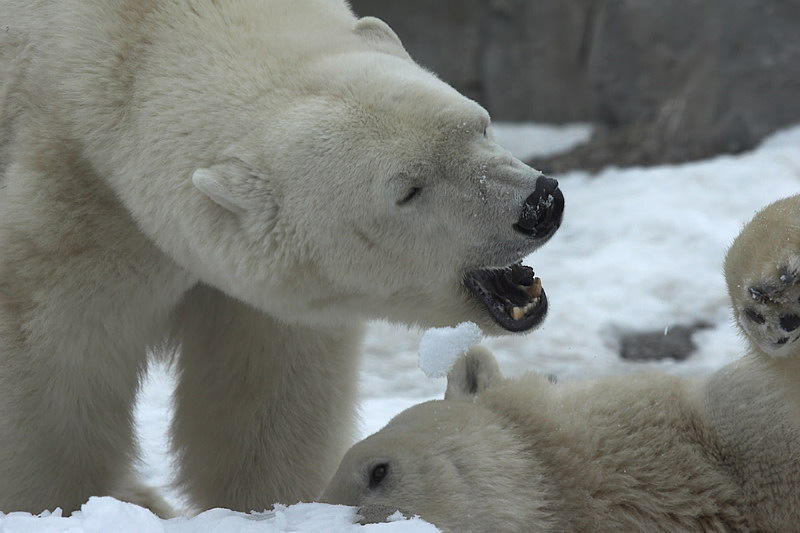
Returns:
(651, 453)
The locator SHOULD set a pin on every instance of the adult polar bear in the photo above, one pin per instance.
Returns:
(245, 180)
(651, 453)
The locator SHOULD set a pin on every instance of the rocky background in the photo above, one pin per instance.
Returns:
(663, 80)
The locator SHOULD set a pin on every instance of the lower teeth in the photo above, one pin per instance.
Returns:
(518, 313)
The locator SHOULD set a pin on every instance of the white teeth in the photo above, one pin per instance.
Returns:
(518, 313)
(534, 291)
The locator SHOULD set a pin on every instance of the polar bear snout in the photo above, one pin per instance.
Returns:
(542, 211)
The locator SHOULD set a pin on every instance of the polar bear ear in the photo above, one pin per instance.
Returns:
(472, 374)
(377, 32)
(234, 186)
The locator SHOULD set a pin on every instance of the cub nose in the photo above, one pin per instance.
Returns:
(542, 211)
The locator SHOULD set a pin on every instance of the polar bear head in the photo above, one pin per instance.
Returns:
(449, 461)
(363, 184)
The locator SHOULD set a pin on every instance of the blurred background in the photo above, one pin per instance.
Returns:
(663, 81)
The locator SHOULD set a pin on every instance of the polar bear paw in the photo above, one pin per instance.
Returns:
(770, 314)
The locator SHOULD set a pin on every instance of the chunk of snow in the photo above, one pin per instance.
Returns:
(439, 348)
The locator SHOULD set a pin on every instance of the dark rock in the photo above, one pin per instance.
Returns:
(666, 80)
(681, 80)
(377, 514)
(674, 343)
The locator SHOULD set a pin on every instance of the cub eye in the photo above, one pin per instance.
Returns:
(410, 195)
(378, 474)
(484, 131)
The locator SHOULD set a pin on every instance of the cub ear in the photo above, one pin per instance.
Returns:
(378, 33)
(472, 374)
(235, 187)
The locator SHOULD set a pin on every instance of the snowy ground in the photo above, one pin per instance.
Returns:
(640, 249)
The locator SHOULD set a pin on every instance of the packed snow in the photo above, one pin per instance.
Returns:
(640, 249)
(440, 348)
(527, 140)
(107, 515)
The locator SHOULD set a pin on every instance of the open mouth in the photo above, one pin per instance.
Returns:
(513, 295)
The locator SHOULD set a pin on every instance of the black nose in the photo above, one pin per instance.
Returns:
(542, 211)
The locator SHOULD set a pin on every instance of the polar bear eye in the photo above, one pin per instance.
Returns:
(412, 192)
(378, 474)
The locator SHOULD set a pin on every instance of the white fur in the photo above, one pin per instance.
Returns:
(221, 178)
(651, 453)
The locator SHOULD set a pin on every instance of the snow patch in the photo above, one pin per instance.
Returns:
(440, 348)
(525, 140)
(102, 515)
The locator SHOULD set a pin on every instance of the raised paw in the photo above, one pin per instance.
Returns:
(762, 271)
(769, 312)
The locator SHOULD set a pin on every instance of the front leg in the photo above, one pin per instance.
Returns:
(762, 270)
(264, 410)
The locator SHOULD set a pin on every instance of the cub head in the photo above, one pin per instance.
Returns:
(449, 461)
(378, 190)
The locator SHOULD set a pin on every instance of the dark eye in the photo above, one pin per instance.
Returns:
(484, 131)
(378, 474)
(410, 195)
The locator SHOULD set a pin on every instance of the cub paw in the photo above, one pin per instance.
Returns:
(762, 270)
(769, 312)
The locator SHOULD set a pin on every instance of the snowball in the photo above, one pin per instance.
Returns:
(441, 347)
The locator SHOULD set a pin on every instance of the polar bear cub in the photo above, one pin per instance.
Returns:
(650, 453)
